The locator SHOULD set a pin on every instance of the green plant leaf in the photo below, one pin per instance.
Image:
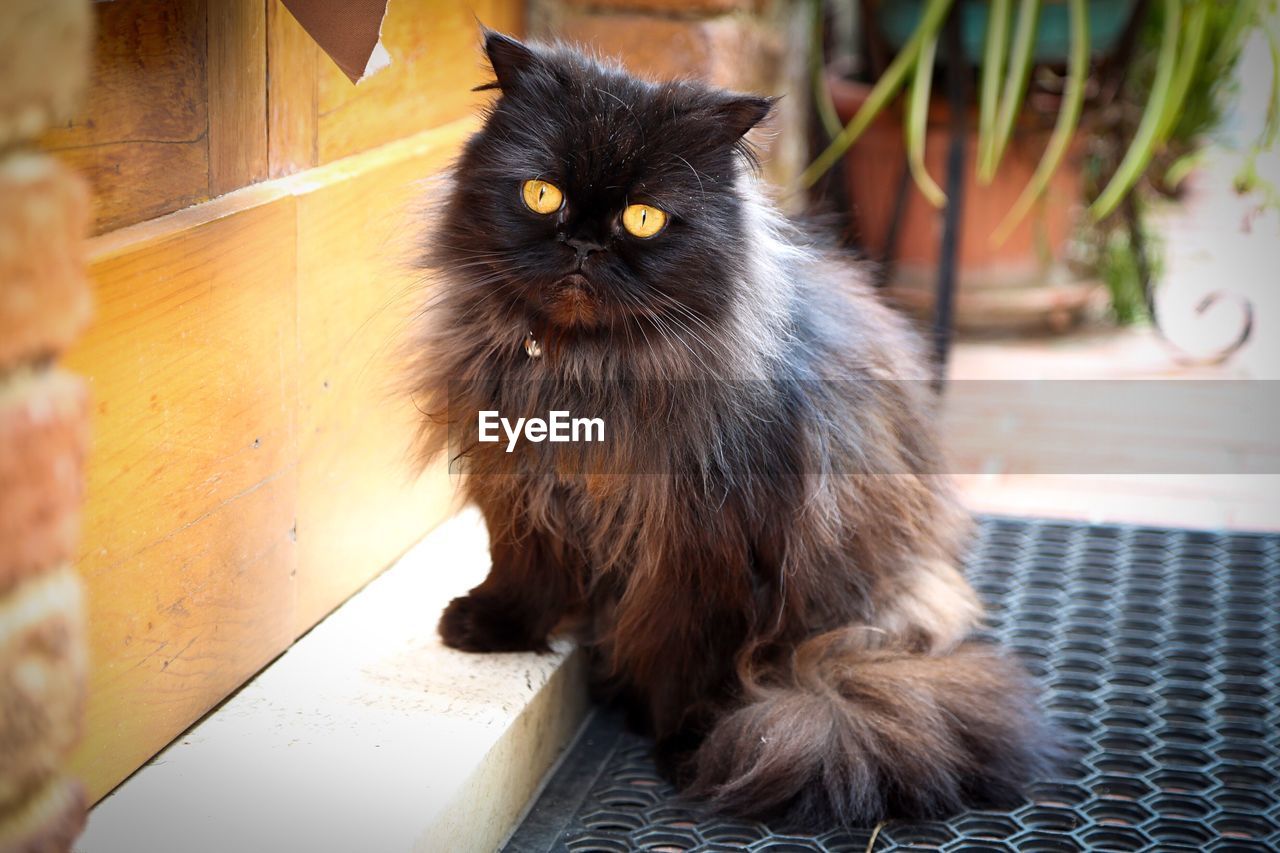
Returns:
(1242, 18)
(935, 11)
(1015, 86)
(1271, 127)
(1188, 60)
(1182, 168)
(918, 123)
(993, 55)
(1144, 141)
(1120, 270)
(1064, 128)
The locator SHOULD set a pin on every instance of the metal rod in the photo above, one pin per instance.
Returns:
(889, 252)
(948, 255)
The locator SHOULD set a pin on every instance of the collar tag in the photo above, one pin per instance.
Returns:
(532, 348)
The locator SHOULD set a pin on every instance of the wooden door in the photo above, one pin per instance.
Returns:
(255, 216)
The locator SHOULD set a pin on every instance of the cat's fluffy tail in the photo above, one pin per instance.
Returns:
(850, 736)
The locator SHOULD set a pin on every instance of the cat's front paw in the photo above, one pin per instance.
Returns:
(474, 624)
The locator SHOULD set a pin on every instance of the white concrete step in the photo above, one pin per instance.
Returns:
(366, 735)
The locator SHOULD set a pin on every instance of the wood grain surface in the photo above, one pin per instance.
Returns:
(191, 99)
(292, 59)
(359, 504)
(237, 61)
(188, 552)
(141, 137)
(251, 462)
(251, 457)
(435, 61)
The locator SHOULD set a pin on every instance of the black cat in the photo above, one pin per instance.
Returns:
(763, 555)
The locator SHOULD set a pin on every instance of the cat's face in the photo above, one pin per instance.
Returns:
(591, 199)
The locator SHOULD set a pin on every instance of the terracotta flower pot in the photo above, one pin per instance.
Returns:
(1018, 285)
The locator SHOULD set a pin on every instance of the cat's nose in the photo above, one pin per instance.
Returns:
(583, 247)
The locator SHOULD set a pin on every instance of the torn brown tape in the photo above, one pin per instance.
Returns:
(350, 31)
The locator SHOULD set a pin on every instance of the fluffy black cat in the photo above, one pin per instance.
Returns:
(762, 559)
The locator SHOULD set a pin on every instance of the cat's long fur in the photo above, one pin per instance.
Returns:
(763, 557)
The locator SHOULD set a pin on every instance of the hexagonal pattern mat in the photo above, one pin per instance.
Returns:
(1159, 650)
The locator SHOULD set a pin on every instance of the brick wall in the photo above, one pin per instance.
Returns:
(747, 45)
(44, 304)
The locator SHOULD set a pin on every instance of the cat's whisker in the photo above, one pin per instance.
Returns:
(627, 107)
(675, 305)
(670, 334)
(695, 173)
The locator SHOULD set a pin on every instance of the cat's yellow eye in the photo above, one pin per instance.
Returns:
(643, 220)
(542, 197)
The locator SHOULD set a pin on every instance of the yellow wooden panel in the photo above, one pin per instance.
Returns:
(141, 134)
(436, 60)
(251, 465)
(188, 552)
(176, 110)
(292, 58)
(237, 94)
(359, 507)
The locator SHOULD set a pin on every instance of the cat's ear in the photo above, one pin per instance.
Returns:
(737, 114)
(510, 59)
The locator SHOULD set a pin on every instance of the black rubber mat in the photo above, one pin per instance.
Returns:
(1159, 650)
